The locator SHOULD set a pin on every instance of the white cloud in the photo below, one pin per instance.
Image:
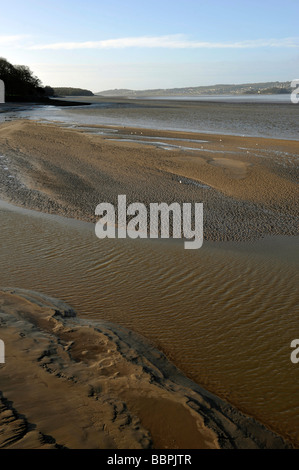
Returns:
(12, 40)
(170, 42)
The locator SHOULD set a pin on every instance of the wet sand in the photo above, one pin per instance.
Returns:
(248, 185)
(110, 388)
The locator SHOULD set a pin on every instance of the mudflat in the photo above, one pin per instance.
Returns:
(247, 184)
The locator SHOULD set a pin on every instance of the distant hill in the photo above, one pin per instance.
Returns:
(67, 91)
(269, 88)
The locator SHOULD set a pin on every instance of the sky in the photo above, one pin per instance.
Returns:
(100, 45)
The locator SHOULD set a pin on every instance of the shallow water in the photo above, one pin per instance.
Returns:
(225, 314)
(283, 98)
(262, 119)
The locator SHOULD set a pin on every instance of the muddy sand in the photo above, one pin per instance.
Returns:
(247, 185)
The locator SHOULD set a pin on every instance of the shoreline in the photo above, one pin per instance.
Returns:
(40, 102)
(258, 246)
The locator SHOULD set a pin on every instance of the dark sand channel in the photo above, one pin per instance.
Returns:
(225, 314)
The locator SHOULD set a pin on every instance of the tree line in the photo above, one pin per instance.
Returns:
(22, 85)
(68, 91)
(20, 82)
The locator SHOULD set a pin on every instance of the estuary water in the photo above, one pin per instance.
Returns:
(271, 117)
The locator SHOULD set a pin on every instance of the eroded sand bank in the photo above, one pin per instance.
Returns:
(72, 383)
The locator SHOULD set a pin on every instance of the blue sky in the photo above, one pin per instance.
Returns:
(156, 44)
